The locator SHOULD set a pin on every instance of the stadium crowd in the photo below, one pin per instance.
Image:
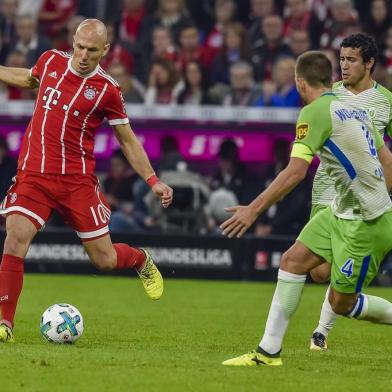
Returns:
(222, 52)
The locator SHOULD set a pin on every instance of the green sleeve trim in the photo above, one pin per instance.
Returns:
(302, 151)
(388, 95)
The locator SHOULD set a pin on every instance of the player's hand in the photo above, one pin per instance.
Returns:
(164, 192)
(243, 217)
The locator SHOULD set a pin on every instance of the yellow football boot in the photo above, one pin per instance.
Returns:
(151, 278)
(6, 334)
(254, 358)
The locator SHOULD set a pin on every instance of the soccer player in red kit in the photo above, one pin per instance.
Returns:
(56, 164)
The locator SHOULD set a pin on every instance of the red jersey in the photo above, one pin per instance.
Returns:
(69, 108)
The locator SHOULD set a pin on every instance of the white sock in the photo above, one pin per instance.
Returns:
(327, 317)
(370, 308)
(284, 304)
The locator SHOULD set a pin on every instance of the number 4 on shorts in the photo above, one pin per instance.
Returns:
(347, 268)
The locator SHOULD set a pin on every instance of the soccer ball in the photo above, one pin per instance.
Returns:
(61, 323)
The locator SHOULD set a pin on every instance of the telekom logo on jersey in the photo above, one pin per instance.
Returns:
(51, 97)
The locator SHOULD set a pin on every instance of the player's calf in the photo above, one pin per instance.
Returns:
(321, 273)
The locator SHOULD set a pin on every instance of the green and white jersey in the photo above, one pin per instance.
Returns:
(347, 147)
(377, 102)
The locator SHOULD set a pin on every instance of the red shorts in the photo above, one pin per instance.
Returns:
(77, 198)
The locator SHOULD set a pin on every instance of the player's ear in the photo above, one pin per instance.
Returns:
(106, 50)
(370, 63)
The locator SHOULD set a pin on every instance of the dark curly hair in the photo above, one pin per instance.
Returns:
(365, 43)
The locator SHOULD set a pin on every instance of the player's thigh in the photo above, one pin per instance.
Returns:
(358, 250)
(299, 259)
(20, 231)
(85, 208)
(316, 235)
(101, 252)
(28, 196)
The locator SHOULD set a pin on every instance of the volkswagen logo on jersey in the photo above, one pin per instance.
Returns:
(90, 93)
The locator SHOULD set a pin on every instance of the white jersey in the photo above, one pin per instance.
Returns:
(377, 103)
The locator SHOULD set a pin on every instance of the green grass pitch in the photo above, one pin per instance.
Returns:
(178, 343)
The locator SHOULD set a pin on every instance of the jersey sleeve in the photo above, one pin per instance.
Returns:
(314, 126)
(115, 110)
(378, 140)
(37, 70)
(388, 96)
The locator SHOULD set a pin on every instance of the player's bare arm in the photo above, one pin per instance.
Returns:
(244, 216)
(138, 159)
(18, 77)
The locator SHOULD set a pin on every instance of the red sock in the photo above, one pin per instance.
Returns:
(128, 257)
(11, 282)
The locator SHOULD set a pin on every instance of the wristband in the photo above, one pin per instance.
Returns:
(152, 180)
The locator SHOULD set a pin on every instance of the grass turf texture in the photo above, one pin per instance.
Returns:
(178, 343)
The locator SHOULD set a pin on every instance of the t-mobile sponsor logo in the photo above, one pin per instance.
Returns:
(4, 298)
(51, 97)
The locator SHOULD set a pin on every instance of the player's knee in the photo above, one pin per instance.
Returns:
(104, 261)
(17, 242)
(291, 263)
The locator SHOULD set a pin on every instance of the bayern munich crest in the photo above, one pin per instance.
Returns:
(13, 197)
(90, 93)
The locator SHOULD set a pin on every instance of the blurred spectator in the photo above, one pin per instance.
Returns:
(171, 14)
(243, 90)
(28, 41)
(105, 10)
(334, 59)
(190, 48)
(259, 9)
(18, 60)
(119, 52)
(379, 21)
(66, 44)
(118, 188)
(54, 16)
(131, 89)
(170, 154)
(299, 17)
(383, 70)
(186, 214)
(387, 54)
(288, 216)
(7, 168)
(286, 94)
(265, 56)
(164, 83)
(234, 49)
(133, 12)
(232, 174)
(162, 43)
(319, 8)
(299, 42)
(224, 13)
(343, 16)
(8, 9)
(29, 7)
(194, 90)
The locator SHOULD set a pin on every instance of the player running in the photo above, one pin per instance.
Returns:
(56, 165)
(362, 209)
(358, 56)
